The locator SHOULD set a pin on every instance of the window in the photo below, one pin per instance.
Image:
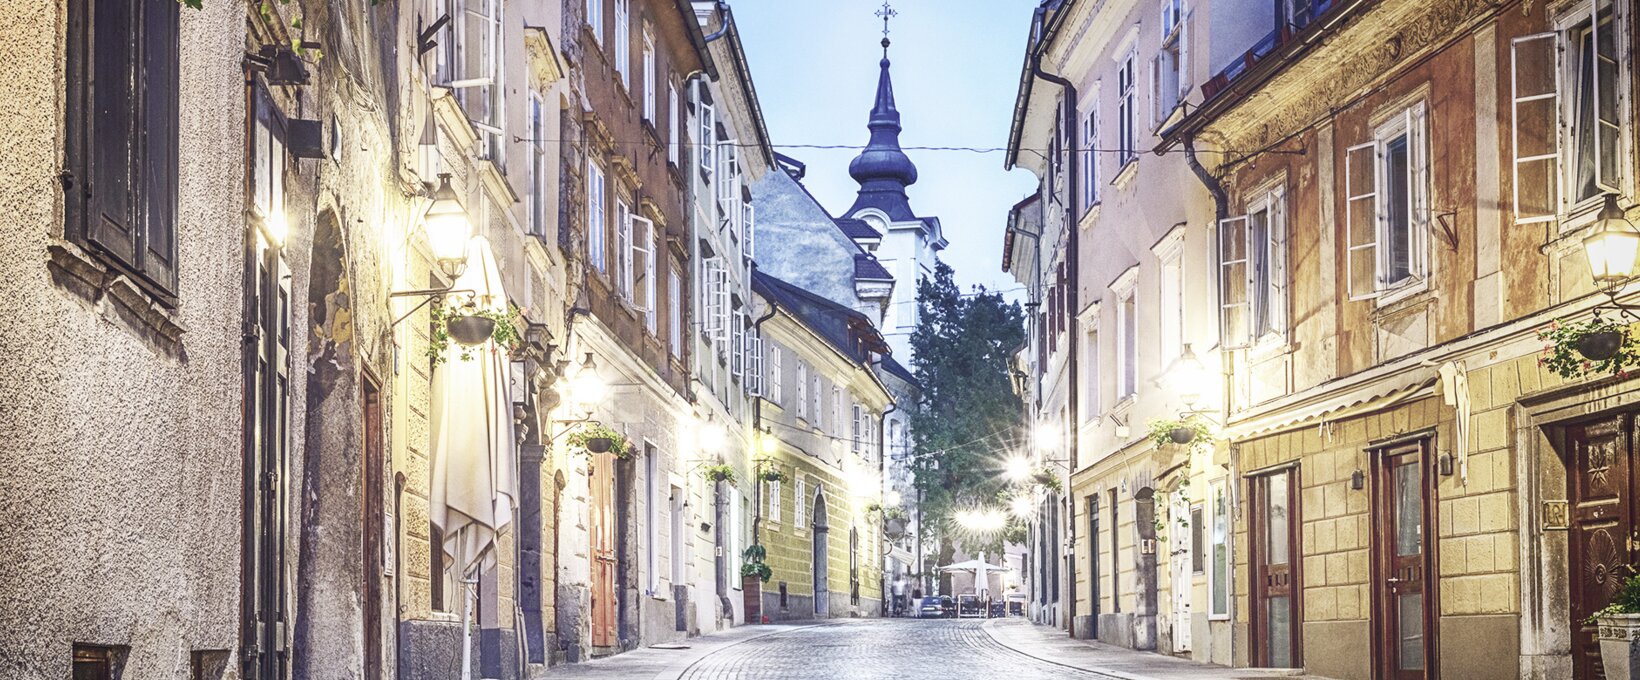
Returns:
(648, 77)
(475, 50)
(748, 229)
(1218, 565)
(774, 500)
(1127, 111)
(93, 662)
(623, 249)
(623, 42)
(1168, 79)
(1253, 271)
(800, 502)
(716, 300)
(1386, 182)
(641, 269)
(539, 160)
(595, 18)
(674, 311)
(755, 375)
(672, 142)
(775, 391)
(857, 430)
(737, 510)
(1567, 80)
(1127, 340)
(1090, 370)
(1198, 539)
(802, 390)
(819, 400)
(707, 141)
(596, 216)
(121, 138)
(836, 409)
(737, 356)
(1090, 156)
(1171, 323)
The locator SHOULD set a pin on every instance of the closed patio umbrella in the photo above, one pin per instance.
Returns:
(475, 469)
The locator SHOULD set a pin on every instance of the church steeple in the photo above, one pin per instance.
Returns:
(882, 168)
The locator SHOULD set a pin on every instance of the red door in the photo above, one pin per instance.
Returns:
(1601, 483)
(603, 550)
(1274, 532)
(1404, 604)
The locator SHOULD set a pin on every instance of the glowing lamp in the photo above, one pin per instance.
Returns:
(448, 229)
(1612, 246)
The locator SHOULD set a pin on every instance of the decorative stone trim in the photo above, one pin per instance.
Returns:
(116, 297)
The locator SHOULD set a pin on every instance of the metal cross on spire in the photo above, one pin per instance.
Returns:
(887, 12)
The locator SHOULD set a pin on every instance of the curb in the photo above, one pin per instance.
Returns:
(677, 673)
(990, 625)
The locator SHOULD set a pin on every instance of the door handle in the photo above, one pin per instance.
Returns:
(1393, 579)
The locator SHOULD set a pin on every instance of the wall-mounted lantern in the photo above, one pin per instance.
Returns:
(1612, 246)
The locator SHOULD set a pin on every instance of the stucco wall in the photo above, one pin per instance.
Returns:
(120, 471)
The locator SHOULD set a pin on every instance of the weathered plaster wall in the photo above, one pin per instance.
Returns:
(120, 460)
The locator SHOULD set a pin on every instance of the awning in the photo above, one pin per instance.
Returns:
(475, 468)
(1331, 407)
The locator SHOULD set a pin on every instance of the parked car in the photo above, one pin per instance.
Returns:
(929, 608)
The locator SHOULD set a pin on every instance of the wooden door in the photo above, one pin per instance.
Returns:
(822, 560)
(1403, 574)
(1093, 565)
(602, 480)
(373, 520)
(1179, 573)
(1275, 564)
(1600, 475)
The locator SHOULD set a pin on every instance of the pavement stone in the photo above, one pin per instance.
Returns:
(1054, 645)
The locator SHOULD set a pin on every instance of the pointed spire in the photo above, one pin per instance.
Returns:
(882, 166)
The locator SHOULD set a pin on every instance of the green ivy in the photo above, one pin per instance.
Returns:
(1625, 601)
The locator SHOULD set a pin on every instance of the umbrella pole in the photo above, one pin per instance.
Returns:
(468, 586)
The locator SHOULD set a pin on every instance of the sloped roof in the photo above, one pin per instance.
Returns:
(838, 325)
(867, 268)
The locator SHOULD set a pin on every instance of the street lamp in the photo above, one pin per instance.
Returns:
(587, 389)
(1023, 507)
(1612, 246)
(448, 229)
(1046, 435)
(1187, 377)
(1018, 468)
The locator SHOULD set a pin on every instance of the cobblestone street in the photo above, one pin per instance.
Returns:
(898, 649)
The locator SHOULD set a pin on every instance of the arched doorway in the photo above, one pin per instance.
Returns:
(822, 594)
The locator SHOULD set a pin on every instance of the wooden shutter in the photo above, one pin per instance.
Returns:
(1534, 117)
(1361, 220)
(111, 144)
(1234, 304)
(159, 142)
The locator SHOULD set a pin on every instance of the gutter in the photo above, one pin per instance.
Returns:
(692, 27)
(1072, 266)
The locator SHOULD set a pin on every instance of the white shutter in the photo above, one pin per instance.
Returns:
(748, 226)
(1277, 214)
(717, 299)
(1418, 157)
(1534, 119)
(1607, 131)
(1361, 220)
(1234, 307)
(623, 250)
(671, 126)
(776, 382)
(1184, 54)
(727, 183)
(642, 267)
(737, 360)
(707, 142)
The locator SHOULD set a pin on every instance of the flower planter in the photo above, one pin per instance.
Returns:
(471, 331)
(600, 444)
(751, 588)
(1620, 646)
(1181, 435)
(1600, 346)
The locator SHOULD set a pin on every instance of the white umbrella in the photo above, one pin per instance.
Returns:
(475, 469)
(982, 584)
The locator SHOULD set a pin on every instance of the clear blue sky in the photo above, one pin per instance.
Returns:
(956, 71)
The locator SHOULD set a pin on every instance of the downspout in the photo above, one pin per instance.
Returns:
(723, 11)
(1072, 264)
(757, 430)
(882, 474)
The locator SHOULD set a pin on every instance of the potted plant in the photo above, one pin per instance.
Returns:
(596, 437)
(1181, 431)
(1048, 480)
(719, 473)
(754, 571)
(1619, 631)
(774, 475)
(1578, 349)
(469, 326)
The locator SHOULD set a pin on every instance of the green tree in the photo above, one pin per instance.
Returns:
(969, 417)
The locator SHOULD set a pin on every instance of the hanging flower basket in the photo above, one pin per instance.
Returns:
(774, 475)
(1581, 349)
(719, 473)
(595, 437)
(469, 326)
(1180, 431)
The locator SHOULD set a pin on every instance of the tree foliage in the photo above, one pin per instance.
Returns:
(969, 416)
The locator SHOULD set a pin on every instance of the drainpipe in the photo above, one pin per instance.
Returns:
(723, 11)
(757, 430)
(1072, 264)
(882, 474)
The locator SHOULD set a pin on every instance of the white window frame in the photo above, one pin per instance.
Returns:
(748, 230)
(649, 99)
(737, 356)
(836, 409)
(674, 312)
(623, 42)
(1126, 294)
(1368, 217)
(707, 143)
(819, 395)
(1232, 282)
(1173, 57)
(1219, 500)
(1170, 298)
(642, 269)
(774, 500)
(672, 128)
(595, 19)
(716, 300)
(857, 428)
(597, 216)
(1092, 390)
(800, 505)
(776, 384)
(477, 28)
(652, 541)
(537, 198)
(1090, 154)
(802, 390)
(623, 249)
(1273, 310)
(755, 369)
(1127, 108)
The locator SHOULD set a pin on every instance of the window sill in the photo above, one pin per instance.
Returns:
(1392, 299)
(1125, 175)
(117, 296)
